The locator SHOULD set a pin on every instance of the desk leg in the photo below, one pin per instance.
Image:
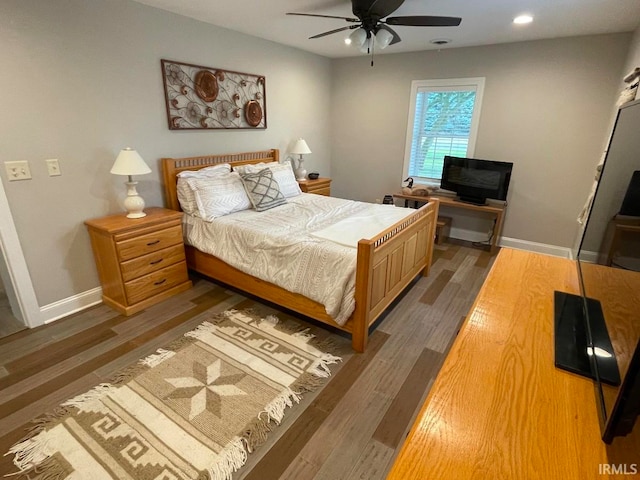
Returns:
(497, 231)
(406, 203)
(415, 204)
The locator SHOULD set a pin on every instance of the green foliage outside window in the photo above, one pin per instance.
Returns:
(442, 126)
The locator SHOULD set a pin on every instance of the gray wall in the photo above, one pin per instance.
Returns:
(81, 79)
(547, 107)
(633, 60)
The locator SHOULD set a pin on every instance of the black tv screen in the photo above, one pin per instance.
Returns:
(475, 180)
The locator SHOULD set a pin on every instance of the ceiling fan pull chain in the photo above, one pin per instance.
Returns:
(372, 43)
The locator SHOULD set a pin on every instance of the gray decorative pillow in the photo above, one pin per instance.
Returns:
(263, 190)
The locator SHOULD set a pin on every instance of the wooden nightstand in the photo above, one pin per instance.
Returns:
(319, 186)
(140, 260)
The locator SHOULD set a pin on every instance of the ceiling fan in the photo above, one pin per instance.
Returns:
(372, 23)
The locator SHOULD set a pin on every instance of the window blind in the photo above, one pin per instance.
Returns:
(442, 126)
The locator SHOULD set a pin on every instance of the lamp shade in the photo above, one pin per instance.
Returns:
(383, 38)
(300, 147)
(129, 162)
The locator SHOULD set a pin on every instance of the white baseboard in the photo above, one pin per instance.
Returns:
(589, 257)
(67, 306)
(475, 236)
(468, 235)
(554, 250)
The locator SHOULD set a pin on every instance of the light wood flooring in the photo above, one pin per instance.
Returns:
(352, 428)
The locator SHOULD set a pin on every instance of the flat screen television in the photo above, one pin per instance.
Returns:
(475, 180)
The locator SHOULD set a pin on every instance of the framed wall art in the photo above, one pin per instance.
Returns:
(206, 98)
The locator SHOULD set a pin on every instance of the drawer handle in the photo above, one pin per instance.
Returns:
(155, 242)
(160, 282)
(155, 262)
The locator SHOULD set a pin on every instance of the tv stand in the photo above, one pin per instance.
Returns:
(495, 210)
(473, 201)
(570, 338)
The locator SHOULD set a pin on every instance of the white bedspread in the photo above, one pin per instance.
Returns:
(307, 246)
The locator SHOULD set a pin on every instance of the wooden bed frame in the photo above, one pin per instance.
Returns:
(386, 264)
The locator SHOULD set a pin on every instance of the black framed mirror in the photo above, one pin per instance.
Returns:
(608, 263)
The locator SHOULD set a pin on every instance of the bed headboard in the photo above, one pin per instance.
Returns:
(172, 166)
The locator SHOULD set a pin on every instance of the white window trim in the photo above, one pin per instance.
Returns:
(477, 82)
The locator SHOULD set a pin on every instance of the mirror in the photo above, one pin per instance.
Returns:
(609, 268)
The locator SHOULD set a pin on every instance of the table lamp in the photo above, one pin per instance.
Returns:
(129, 163)
(300, 148)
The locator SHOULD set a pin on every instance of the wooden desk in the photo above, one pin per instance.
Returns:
(496, 210)
(499, 409)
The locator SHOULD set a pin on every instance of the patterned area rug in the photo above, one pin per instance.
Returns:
(190, 411)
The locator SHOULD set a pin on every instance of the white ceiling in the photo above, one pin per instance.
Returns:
(484, 22)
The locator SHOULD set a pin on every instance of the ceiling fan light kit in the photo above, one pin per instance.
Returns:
(371, 25)
(383, 38)
(358, 37)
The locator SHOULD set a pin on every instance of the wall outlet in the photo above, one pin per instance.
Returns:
(53, 167)
(18, 170)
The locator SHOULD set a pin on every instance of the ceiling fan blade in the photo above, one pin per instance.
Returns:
(334, 31)
(382, 8)
(424, 21)
(348, 19)
(376, 8)
(396, 37)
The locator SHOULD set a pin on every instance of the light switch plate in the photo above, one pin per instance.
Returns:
(53, 167)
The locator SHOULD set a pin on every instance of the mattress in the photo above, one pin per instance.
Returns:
(307, 246)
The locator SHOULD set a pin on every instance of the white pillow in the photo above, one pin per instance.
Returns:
(219, 195)
(186, 196)
(282, 173)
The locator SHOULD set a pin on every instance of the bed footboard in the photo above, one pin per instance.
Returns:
(387, 263)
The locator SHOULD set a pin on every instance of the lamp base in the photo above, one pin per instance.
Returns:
(300, 172)
(134, 202)
(136, 215)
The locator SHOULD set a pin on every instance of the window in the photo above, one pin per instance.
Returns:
(443, 120)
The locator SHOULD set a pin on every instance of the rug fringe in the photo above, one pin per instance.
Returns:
(48, 469)
(30, 453)
(96, 393)
(231, 458)
(157, 358)
(307, 382)
(276, 408)
(321, 368)
(257, 432)
(204, 328)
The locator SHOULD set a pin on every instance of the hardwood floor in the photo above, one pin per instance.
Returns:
(351, 428)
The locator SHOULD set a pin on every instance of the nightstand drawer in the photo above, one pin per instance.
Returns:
(156, 282)
(318, 186)
(322, 191)
(151, 242)
(151, 262)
